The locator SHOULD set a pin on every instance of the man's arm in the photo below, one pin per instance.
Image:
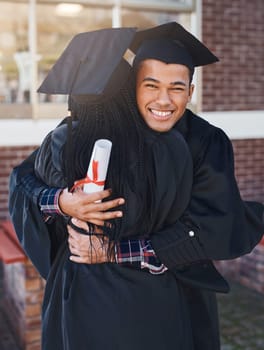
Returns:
(85, 207)
(134, 253)
(218, 224)
(34, 233)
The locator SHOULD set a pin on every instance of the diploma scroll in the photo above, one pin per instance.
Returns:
(98, 166)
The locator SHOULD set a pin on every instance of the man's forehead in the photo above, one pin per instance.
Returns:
(156, 69)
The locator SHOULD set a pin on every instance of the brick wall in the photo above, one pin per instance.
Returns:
(249, 167)
(22, 285)
(234, 31)
(23, 290)
(247, 270)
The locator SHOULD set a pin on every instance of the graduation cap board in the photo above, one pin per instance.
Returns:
(88, 62)
(93, 61)
(170, 42)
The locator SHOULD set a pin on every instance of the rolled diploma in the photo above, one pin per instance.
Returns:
(98, 165)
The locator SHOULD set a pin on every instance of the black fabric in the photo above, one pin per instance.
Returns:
(238, 228)
(19, 178)
(133, 309)
(80, 300)
(167, 202)
(33, 234)
(92, 64)
(198, 52)
(88, 62)
(164, 50)
(228, 227)
(203, 315)
(223, 226)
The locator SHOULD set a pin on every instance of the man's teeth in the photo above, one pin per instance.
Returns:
(161, 113)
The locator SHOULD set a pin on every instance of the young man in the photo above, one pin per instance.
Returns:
(216, 224)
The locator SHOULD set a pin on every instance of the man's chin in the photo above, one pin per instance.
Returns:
(160, 128)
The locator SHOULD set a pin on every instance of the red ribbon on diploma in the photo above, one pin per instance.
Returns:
(87, 180)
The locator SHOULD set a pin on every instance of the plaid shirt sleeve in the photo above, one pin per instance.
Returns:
(49, 203)
(47, 198)
(140, 254)
(32, 187)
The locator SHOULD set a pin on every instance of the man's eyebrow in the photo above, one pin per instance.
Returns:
(151, 79)
(182, 83)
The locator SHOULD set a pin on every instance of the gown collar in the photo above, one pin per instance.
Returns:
(182, 124)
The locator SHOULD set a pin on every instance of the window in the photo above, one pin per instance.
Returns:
(56, 24)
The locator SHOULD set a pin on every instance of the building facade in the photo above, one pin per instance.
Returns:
(230, 94)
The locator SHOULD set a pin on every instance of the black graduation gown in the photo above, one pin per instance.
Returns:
(224, 226)
(107, 306)
(213, 160)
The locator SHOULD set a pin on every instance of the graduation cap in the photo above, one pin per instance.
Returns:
(93, 64)
(171, 43)
(88, 63)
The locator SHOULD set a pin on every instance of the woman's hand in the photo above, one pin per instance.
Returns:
(88, 249)
(88, 207)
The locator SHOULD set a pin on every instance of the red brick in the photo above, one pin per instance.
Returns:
(33, 335)
(31, 272)
(32, 310)
(34, 297)
(236, 43)
(33, 322)
(33, 346)
(33, 284)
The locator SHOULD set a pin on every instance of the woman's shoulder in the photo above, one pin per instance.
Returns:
(49, 158)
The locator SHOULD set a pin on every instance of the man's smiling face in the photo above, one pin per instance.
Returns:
(163, 91)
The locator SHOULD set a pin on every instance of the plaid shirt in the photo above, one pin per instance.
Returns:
(138, 253)
(49, 202)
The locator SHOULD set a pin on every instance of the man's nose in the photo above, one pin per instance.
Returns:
(163, 97)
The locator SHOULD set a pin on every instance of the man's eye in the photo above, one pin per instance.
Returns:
(151, 86)
(177, 89)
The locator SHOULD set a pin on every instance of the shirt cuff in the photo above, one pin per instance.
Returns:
(140, 254)
(149, 259)
(49, 202)
(127, 252)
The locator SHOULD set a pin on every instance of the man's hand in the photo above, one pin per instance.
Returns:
(88, 207)
(87, 249)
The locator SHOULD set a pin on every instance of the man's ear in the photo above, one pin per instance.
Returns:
(191, 89)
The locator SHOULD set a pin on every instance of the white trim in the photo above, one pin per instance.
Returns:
(238, 124)
(23, 132)
(29, 132)
(199, 71)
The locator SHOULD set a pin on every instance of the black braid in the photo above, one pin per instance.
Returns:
(117, 119)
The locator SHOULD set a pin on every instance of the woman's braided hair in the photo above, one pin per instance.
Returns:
(115, 118)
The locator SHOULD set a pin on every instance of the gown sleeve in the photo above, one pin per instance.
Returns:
(217, 223)
(30, 228)
(38, 239)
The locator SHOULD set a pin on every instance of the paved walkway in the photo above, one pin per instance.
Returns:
(7, 341)
(241, 320)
